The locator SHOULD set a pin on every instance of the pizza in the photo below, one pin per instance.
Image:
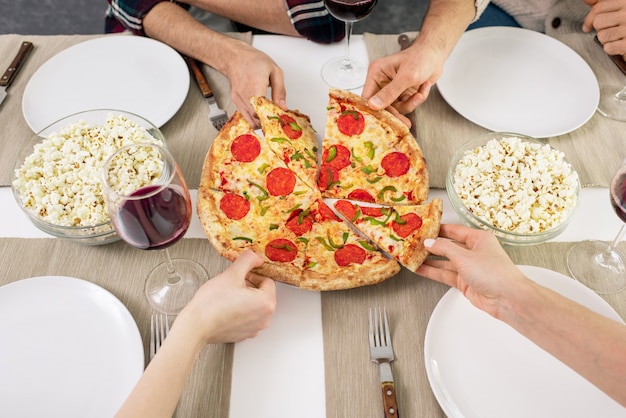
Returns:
(269, 193)
(369, 155)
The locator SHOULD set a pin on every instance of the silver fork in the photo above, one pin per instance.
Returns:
(217, 115)
(159, 328)
(381, 352)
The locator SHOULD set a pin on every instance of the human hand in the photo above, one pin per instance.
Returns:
(402, 81)
(477, 265)
(250, 74)
(608, 18)
(232, 306)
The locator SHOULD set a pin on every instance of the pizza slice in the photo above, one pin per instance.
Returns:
(338, 258)
(369, 155)
(290, 135)
(399, 231)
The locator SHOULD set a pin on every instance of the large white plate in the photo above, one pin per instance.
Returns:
(131, 73)
(68, 349)
(516, 80)
(479, 367)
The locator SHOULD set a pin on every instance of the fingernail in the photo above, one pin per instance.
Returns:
(376, 102)
(429, 242)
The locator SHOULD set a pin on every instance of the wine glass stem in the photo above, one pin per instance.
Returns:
(616, 240)
(346, 65)
(621, 95)
(172, 275)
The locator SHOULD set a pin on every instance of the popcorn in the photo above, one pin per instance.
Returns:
(516, 186)
(60, 182)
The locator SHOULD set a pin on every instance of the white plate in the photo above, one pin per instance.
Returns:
(516, 80)
(68, 349)
(131, 73)
(479, 367)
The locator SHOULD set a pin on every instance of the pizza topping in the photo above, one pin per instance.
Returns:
(362, 195)
(250, 240)
(386, 189)
(289, 125)
(349, 253)
(281, 250)
(367, 245)
(371, 149)
(396, 164)
(264, 193)
(371, 211)
(234, 206)
(245, 148)
(280, 181)
(347, 209)
(327, 213)
(300, 222)
(337, 156)
(407, 225)
(329, 177)
(350, 122)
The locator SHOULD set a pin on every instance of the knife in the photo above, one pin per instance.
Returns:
(217, 115)
(9, 75)
(405, 42)
(617, 59)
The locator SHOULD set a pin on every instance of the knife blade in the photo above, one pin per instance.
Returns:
(10, 73)
(617, 59)
(405, 42)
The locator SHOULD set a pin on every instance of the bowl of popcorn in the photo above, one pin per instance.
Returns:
(518, 187)
(57, 177)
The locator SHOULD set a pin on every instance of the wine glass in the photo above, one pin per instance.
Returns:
(598, 265)
(346, 72)
(613, 102)
(150, 208)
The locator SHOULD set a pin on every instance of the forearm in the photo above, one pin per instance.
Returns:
(158, 391)
(589, 343)
(444, 23)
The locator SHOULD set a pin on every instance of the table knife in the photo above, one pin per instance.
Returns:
(405, 42)
(9, 75)
(617, 59)
(217, 115)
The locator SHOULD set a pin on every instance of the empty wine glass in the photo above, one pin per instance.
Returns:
(150, 208)
(596, 264)
(613, 102)
(346, 72)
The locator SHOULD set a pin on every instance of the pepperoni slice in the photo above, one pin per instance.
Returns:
(245, 148)
(349, 253)
(280, 181)
(351, 122)
(327, 213)
(411, 223)
(328, 177)
(290, 127)
(346, 208)
(395, 164)
(281, 250)
(299, 224)
(336, 156)
(235, 207)
(362, 195)
(371, 211)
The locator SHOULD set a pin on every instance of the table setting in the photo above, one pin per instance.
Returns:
(316, 358)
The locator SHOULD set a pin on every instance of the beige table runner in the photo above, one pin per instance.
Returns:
(595, 150)
(121, 269)
(352, 388)
(189, 133)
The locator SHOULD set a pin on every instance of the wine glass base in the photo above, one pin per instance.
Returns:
(344, 73)
(609, 105)
(591, 263)
(169, 294)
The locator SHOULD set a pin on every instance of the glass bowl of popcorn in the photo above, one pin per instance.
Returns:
(57, 177)
(519, 188)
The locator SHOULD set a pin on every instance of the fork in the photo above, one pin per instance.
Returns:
(217, 115)
(381, 352)
(159, 328)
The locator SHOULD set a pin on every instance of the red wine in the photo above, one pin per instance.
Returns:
(155, 222)
(350, 10)
(618, 193)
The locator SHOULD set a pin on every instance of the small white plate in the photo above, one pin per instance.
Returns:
(516, 80)
(131, 73)
(69, 349)
(479, 367)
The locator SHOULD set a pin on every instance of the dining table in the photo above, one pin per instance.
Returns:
(313, 360)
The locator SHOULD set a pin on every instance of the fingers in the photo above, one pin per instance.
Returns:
(279, 93)
(386, 95)
(244, 264)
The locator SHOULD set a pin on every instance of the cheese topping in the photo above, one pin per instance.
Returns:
(516, 186)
